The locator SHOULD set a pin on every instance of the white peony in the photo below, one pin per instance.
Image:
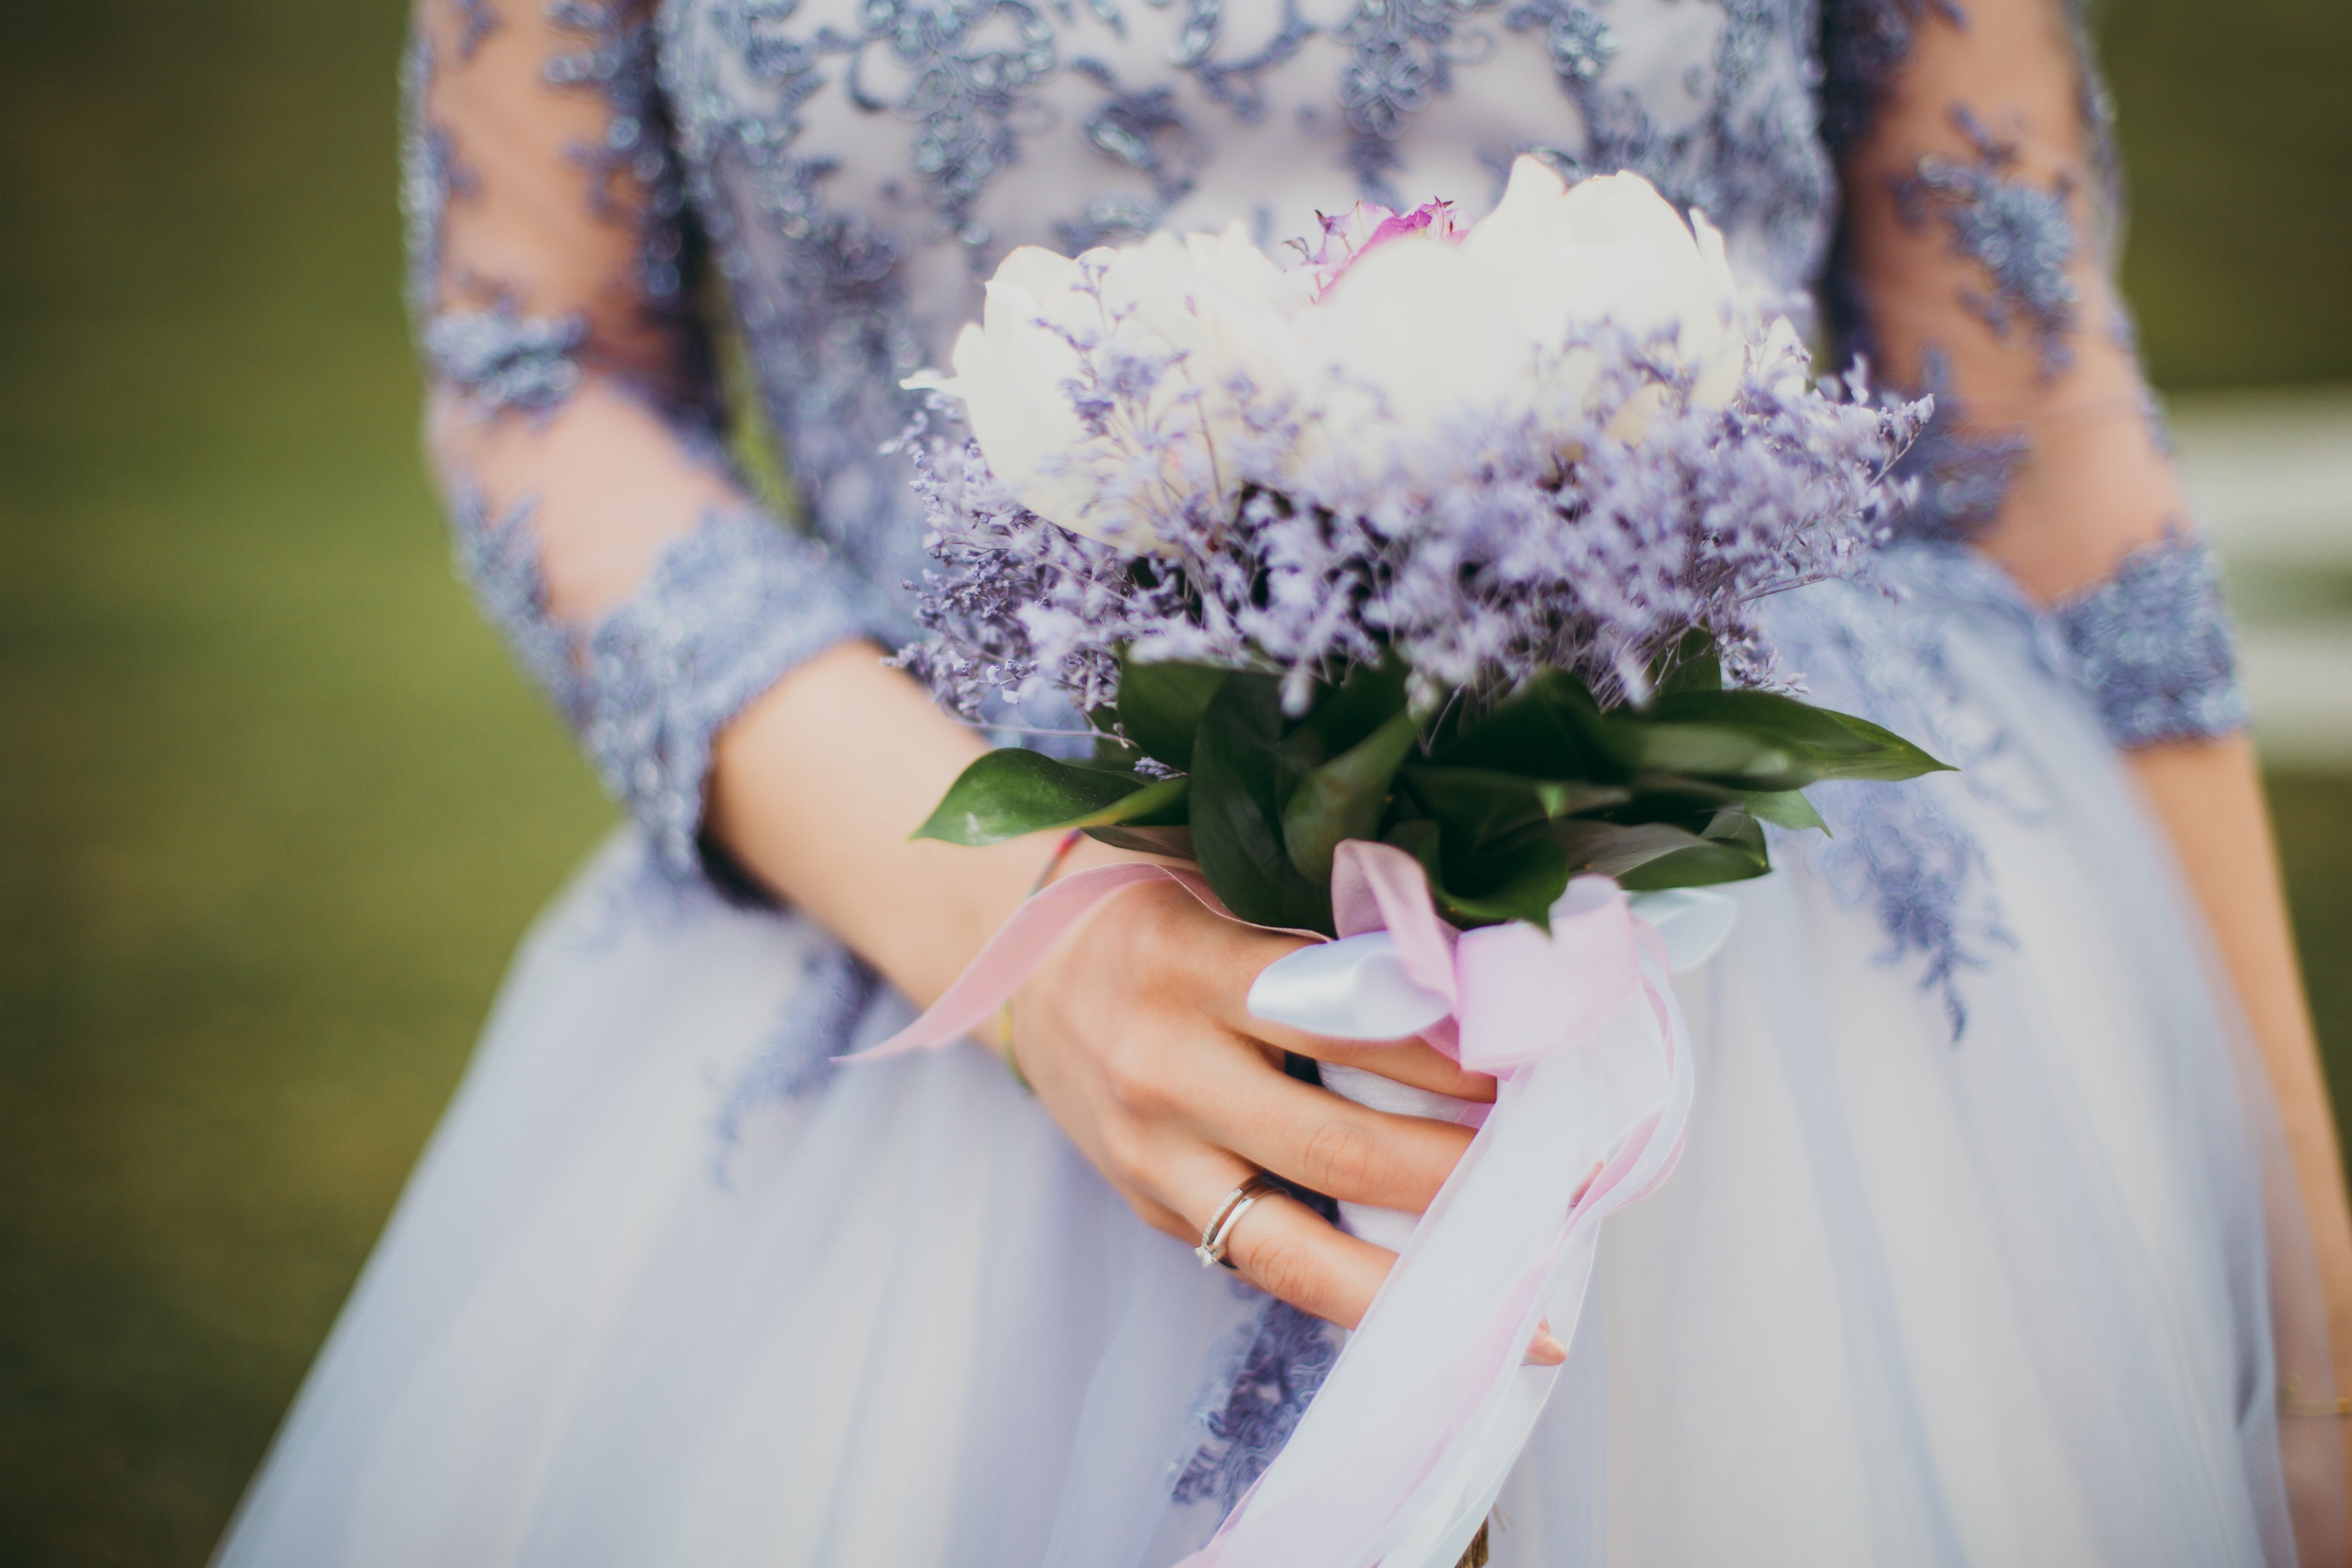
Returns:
(1429, 331)
(1384, 342)
(1011, 365)
(1408, 342)
(1213, 309)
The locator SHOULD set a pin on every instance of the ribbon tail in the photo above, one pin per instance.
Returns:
(1412, 1435)
(1011, 954)
(1378, 887)
(1661, 1144)
(1021, 943)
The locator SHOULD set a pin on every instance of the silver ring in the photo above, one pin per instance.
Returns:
(1218, 1234)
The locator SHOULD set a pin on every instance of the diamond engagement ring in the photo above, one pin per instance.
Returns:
(1218, 1233)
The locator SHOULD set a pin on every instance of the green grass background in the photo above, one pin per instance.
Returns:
(274, 807)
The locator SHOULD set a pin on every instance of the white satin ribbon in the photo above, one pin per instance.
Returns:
(1401, 1454)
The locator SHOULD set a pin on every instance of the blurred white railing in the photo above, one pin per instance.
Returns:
(2270, 473)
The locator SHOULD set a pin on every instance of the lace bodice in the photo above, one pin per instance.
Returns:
(593, 183)
(860, 167)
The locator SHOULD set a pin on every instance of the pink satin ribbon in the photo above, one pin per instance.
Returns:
(1019, 946)
(1518, 995)
(1520, 999)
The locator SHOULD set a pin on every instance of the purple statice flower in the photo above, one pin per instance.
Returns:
(1502, 546)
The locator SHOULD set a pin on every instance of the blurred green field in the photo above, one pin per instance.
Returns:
(274, 807)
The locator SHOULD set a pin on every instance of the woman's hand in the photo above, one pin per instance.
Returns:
(1135, 1031)
(1136, 1035)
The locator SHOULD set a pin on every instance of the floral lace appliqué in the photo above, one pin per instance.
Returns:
(1238, 85)
(1962, 476)
(726, 610)
(2021, 234)
(1752, 160)
(1864, 45)
(619, 63)
(1288, 1357)
(498, 557)
(478, 19)
(2151, 646)
(431, 178)
(1581, 43)
(499, 358)
(1402, 55)
(1924, 879)
(1899, 850)
(962, 94)
(1142, 129)
(796, 1059)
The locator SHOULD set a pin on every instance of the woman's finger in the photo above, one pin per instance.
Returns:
(1407, 1061)
(1289, 1251)
(1315, 1138)
(1294, 1254)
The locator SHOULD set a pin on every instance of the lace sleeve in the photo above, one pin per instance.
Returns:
(1975, 261)
(572, 415)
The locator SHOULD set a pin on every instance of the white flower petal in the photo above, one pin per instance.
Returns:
(1029, 442)
(1528, 221)
(933, 380)
(1408, 339)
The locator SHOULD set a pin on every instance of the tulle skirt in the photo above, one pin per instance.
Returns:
(1973, 1257)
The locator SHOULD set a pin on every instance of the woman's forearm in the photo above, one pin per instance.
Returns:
(2209, 796)
(816, 788)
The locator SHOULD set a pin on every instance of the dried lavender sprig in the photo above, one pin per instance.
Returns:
(1478, 558)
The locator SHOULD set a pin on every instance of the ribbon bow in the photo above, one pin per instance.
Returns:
(1401, 1454)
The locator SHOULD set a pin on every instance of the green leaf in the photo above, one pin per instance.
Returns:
(1691, 664)
(1675, 797)
(1345, 797)
(1670, 798)
(1728, 753)
(1477, 806)
(1236, 813)
(1768, 712)
(1550, 728)
(1419, 837)
(1782, 808)
(1731, 850)
(1160, 706)
(1894, 759)
(1008, 792)
(1830, 744)
(1479, 891)
(1520, 884)
(1110, 750)
(1176, 843)
(1368, 698)
(1617, 848)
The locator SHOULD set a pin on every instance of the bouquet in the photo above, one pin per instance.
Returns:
(1448, 540)
(1409, 594)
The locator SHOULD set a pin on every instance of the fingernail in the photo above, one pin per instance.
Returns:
(1546, 1351)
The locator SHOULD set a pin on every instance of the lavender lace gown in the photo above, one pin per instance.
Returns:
(1967, 1261)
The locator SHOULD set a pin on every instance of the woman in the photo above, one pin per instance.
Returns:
(1983, 1249)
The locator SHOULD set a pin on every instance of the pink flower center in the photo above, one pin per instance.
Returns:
(1363, 228)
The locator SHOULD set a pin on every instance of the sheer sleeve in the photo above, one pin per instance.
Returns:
(572, 418)
(1975, 261)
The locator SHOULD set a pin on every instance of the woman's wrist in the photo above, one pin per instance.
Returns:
(817, 787)
(1069, 856)
(999, 1035)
